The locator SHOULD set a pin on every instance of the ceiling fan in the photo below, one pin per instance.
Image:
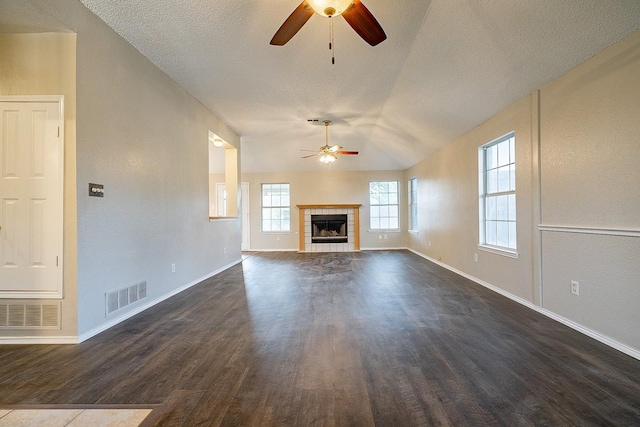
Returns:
(327, 153)
(353, 11)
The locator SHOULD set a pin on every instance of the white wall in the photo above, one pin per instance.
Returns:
(45, 64)
(325, 187)
(577, 156)
(448, 204)
(590, 179)
(146, 140)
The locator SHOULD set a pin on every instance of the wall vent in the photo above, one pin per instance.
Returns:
(30, 316)
(115, 300)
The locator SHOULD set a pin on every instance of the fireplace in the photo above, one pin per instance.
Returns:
(350, 241)
(329, 229)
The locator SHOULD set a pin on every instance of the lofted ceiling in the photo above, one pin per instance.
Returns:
(446, 67)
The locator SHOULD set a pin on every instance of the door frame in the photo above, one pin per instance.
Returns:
(245, 220)
(58, 293)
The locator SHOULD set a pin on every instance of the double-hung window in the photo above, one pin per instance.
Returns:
(497, 166)
(383, 205)
(276, 212)
(413, 204)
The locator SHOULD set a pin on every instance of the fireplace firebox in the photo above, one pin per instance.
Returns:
(329, 229)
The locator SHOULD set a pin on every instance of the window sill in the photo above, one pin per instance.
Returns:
(222, 218)
(416, 232)
(499, 251)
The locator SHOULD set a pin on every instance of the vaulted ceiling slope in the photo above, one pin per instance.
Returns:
(446, 67)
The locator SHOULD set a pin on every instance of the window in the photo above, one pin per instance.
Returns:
(497, 161)
(275, 207)
(383, 201)
(413, 204)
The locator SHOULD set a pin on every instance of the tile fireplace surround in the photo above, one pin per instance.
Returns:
(353, 227)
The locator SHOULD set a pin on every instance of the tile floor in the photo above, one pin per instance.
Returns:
(73, 417)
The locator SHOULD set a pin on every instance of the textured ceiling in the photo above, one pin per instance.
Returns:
(446, 67)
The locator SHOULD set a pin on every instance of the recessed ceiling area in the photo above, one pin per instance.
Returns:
(446, 67)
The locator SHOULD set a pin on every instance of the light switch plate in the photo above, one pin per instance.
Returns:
(96, 190)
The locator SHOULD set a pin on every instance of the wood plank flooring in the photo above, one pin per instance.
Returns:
(353, 339)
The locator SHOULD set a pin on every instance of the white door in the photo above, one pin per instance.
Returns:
(31, 185)
(246, 231)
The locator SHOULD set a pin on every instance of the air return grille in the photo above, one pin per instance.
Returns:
(30, 316)
(115, 300)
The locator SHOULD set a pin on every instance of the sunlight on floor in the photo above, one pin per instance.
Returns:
(73, 417)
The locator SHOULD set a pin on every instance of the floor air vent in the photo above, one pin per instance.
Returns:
(120, 298)
(31, 316)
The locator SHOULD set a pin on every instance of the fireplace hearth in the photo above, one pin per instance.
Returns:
(329, 229)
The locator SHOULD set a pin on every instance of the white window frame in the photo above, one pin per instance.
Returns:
(273, 205)
(384, 211)
(412, 192)
(497, 194)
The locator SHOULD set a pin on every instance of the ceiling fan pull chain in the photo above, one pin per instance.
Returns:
(331, 43)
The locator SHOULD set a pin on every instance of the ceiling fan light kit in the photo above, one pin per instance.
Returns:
(354, 12)
(329, 8)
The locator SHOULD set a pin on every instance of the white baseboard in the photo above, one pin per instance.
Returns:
(383, 249)
(39, 340)
(573, 325)
(150, 304)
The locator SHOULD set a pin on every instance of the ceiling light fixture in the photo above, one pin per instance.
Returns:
(328, 158)
(218, 142)
(330, 8)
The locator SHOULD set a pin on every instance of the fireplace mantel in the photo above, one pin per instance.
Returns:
(327, 208)
(330, 206)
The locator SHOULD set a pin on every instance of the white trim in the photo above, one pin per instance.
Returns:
(382, 249)
(573, 325)
(39, 340)
(384, 230)
(115, 321)
(626, 232)
(32, 98)
(498, 251)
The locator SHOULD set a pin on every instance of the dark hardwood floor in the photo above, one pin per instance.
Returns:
(362, 339)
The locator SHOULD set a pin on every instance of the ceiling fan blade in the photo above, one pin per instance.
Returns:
(292, 25)
(311, 155)
(364, 23)
(349, 153)
(335, 148)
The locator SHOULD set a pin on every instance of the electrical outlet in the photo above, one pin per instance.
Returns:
(475, 257)
(224, 250)
(575, 287)
(385, 237)
(173, 268)
(379, 236)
